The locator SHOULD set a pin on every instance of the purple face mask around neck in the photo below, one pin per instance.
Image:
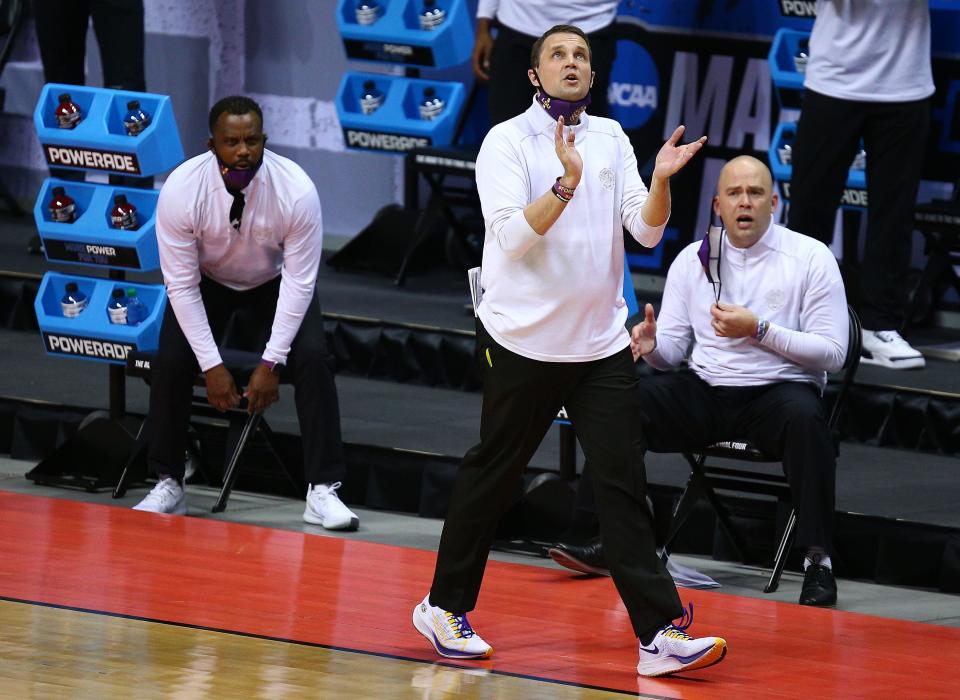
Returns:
(237, 179)
(556, 108)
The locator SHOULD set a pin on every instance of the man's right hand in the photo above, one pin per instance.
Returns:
(569, 156)
(221, 390)
(482, 49)
(643, 337)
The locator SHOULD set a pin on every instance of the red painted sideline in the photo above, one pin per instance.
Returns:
(359, 595)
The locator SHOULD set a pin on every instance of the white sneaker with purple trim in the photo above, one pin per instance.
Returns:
(451, 635)
(673, 650)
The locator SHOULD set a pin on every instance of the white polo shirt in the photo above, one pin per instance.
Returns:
(281, 233)
(787, 278)
(871, 50)
(534, 17)
(558, 297)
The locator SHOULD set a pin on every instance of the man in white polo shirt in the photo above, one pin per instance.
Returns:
(759, 345)
(868, 77)
(239, 229)
(557, 188)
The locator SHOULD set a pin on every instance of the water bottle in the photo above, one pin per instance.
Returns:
(136, 311)
(117, 308)
(371, 98)
(136, 120)
(368, 11)
(859, 160)
(63, 209)
(802, 55)
(785, 150)
(432, 106)
(68, 112)
(124, 214)
(73, 301)
(432, 16)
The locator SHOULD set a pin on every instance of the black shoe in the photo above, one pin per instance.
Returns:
(819, 586)
(586, 558)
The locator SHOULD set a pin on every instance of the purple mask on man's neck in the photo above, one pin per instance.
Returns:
(237, 179)
(556, 108)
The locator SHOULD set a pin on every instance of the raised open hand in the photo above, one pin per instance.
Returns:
(569, 157)
(672, 157)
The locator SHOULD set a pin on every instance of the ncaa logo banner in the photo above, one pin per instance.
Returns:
(634, 91)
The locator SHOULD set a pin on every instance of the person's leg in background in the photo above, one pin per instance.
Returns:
(895, 136)
(311, 367)
(174, 369)
(509, 91)
(789, 419)
(828, 135)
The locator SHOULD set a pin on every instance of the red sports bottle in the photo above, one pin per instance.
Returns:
(124, 214)
(62, 207)
(68, 112)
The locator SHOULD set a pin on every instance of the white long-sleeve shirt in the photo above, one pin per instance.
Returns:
(534, 17)
(558, 297)
(281, 232)
(871, 50)
(787, 278)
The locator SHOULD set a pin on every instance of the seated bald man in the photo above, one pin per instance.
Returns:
(759, 347)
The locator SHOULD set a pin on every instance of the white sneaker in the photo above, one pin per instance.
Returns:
(451, 635)
(167, 496)
(673, 650)
(889, 349)
(325, 508)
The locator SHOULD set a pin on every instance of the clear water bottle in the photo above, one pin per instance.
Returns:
(136, 310)
(68, 112)
(117, 308)
(432, 105)
(73, 300)
(368, 11)
(802, 55)
(431, 16)
(860, 160)
(63, 209)
(124, 214)
(370, 98)
(135, 120)
(785, 150)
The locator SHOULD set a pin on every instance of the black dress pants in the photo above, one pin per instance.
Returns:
(680, 412)
(510, 90)
(894, 137)
(521, 398)
(309, 365)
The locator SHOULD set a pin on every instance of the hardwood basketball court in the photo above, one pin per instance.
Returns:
(107, 602)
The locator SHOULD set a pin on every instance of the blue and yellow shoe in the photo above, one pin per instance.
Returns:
(451, 635)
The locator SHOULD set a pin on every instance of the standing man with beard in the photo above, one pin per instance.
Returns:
(550, 334)
(239, 228)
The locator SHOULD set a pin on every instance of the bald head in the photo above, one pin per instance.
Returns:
(745, 165)
(745, 200)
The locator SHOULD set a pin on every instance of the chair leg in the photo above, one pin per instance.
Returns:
(688, 499)
(141, 443)
(698, 475)
(780, 560)
(230, 473)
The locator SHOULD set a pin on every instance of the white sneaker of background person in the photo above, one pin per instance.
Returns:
(889, 349)
(167, 496)
(325, 508)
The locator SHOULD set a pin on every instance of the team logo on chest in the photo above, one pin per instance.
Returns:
(607, 179)
(775, 299)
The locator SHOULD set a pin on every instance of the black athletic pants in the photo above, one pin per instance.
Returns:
(894, 137)
(521, 398)
(309, 365)
(680, 412)
(510, 90)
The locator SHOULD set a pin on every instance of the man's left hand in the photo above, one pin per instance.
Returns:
(263, 389)
(673, 157)
(732, 321)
